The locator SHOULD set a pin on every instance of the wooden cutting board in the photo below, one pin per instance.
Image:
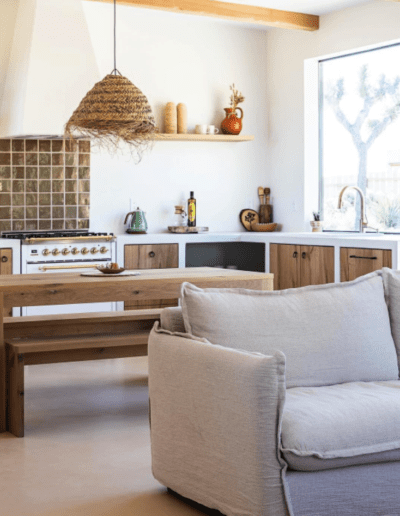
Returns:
(247, 217)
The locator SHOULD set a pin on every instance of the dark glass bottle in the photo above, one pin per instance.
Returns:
(191, 211)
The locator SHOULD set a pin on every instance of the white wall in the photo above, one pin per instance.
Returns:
(193, 60)
(51, 66)
(369, 24)
(8, 15)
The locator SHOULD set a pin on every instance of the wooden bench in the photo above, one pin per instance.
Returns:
(69, 338)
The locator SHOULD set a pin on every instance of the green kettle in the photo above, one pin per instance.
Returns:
(138, 223)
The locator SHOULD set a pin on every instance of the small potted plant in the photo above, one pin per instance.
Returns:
(317, 223)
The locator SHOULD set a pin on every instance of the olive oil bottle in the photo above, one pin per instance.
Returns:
(191, 211)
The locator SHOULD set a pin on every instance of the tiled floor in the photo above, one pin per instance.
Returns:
(86, 449)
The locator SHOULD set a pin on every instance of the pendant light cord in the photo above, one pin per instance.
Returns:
(115, 71)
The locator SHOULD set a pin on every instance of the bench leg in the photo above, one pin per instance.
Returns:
(15, 393)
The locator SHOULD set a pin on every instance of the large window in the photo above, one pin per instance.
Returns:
(360, 138)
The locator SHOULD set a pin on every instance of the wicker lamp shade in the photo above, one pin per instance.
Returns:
(114, 110)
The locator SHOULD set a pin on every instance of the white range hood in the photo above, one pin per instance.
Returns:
(51, 68)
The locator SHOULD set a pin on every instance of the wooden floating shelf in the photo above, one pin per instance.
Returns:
(202, 138)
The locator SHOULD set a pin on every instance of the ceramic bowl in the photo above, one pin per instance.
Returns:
(108, 270)
(263, 227)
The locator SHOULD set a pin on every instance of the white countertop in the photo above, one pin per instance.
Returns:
(326, 238)
(9, 243)
(307, 238)
(171, 238)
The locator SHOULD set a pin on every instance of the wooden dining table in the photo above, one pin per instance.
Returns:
(72, 288)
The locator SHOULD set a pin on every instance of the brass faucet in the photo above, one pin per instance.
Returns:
(363, 215)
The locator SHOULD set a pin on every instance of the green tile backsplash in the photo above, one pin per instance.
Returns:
(44, 184)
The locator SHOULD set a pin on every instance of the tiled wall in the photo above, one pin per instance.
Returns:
(44, 184)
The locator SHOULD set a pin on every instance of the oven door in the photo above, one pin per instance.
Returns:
(34, 268)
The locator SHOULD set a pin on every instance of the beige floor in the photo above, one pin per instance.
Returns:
(86, 449)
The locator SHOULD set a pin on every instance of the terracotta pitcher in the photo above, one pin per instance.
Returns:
(232, 124)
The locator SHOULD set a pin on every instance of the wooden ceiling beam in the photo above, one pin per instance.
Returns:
(228, 11)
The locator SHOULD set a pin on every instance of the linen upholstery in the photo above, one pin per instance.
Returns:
(171, 319)
(369, 490)
(216, 434)
(312, 463)
(215, 424)
(354, 422)
(391, 280)
(330, 334)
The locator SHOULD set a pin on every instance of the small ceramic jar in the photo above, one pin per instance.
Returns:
(316, 225)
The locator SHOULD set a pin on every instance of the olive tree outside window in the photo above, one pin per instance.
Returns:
(360, 138)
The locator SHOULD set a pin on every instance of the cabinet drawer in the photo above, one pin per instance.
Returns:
(153, 256)
(355, 262)
(6, 261)
(6, 268)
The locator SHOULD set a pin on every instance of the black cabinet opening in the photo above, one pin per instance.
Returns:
(244, 256)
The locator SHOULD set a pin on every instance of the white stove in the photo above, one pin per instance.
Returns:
(64, 252)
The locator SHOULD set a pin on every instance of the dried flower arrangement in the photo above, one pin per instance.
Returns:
(236, 97)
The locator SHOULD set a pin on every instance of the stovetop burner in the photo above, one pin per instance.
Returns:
(24, 235)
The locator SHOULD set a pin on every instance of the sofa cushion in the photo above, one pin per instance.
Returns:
(330, 334)
(391, 281)
(341, 425)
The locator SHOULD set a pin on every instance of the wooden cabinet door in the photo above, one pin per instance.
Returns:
(285, 265)
(298, 266)
(357, 262)
(154, 256)
(6, 268)
(317, 265)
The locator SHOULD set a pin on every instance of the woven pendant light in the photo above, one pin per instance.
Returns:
(114, 111)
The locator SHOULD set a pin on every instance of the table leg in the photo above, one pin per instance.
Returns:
(16, 395)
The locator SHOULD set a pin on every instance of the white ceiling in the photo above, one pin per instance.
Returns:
(304, 6)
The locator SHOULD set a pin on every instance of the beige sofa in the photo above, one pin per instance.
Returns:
(280, 403)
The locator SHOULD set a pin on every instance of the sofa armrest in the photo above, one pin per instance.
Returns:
(215, 424)
(171, 319)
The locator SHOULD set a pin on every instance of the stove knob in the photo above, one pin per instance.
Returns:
(103, 250)
(55, 252)
(84, 250)
(74, 250)
(94, 250)
(65, 251)
(45, 252)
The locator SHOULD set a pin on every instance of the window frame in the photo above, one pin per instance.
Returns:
(313, 127)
